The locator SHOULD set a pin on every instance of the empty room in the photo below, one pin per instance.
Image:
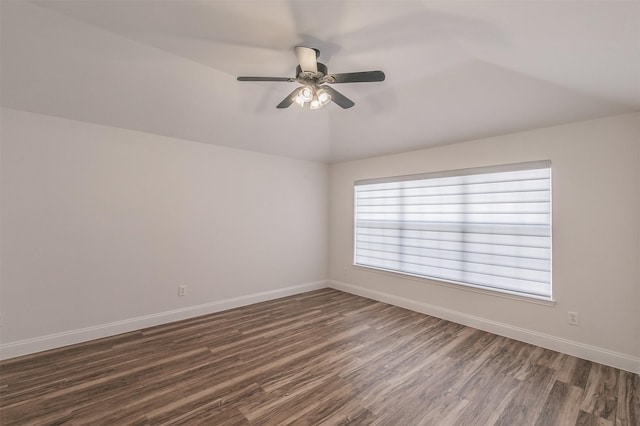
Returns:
(319, 212)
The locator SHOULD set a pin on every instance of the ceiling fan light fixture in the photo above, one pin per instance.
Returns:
(307, 93)
(315, 103)
(304, 95)
(323, 97)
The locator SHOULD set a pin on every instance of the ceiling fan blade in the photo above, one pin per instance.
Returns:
(338, 97)
(266, 79)
(286, 102)
(355, 77)
(307, 58)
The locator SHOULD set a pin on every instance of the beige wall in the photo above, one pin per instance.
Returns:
(100, 225)
(596, 237)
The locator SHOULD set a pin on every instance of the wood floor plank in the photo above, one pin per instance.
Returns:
(485, 406)
(562, 405)
(628, 407)
(527, 401)
(564, 368)
(581, 373)
(601, 392)
(318, 358)
(588, 419)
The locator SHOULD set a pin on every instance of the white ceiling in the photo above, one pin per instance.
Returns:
(455, 70)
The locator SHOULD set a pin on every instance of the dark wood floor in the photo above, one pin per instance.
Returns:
(324, 357)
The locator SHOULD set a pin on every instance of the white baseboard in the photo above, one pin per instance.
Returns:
(570, 347)
(57, 340)
(52, 341)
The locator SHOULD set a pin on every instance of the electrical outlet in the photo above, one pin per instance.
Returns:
(572, 318)
(182, 290)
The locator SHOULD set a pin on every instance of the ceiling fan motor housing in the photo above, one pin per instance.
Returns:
(306, 77)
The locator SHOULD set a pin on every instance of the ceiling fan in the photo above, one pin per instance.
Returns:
(313, 75)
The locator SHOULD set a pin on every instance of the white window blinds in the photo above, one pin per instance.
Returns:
(488, 227)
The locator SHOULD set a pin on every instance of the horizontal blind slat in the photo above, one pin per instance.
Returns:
(497, 208)
(533, 253)
(541, 167)
(485, 218)
(488, 281)
(476, 228)
(490, 239)
(392, 252)
(481, 188)
(477, 268)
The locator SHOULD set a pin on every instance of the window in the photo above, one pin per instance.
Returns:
(487, 227)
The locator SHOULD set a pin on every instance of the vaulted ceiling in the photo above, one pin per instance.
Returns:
(455, 71)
